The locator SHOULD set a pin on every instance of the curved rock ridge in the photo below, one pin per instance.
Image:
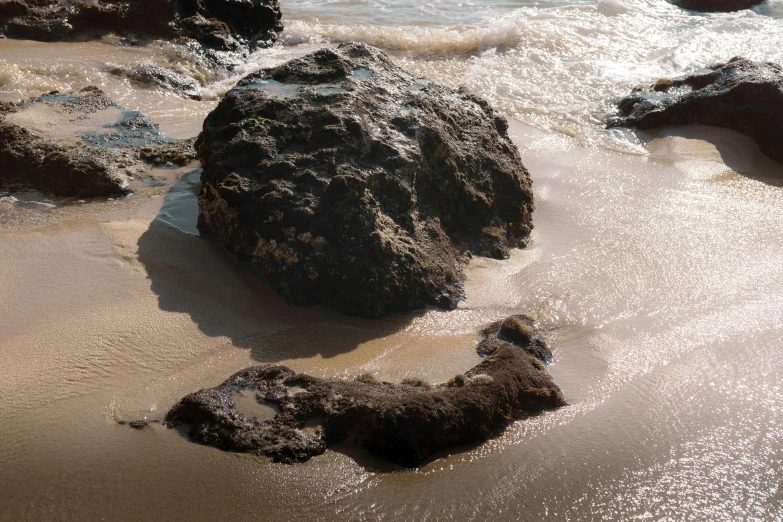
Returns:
(741, 95)
(222, 25)
(183, 85)
(348, 181)
(717, 6)
(80, 144)
(293, 417)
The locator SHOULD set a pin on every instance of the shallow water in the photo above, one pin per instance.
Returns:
(657, 276)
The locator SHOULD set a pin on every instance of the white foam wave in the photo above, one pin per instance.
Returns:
(503, 34)
(560, 68)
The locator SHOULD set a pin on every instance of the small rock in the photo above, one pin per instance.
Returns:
(138, 424)
(184, 86)
(662, 85)
(742, 95)
(86, 154)
(520, 330)
(400, 182)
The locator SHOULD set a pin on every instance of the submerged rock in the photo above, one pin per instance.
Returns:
(80, 144)
(741, 95)
(222, 25)
(346, 180)
(715, 6)
(138, 424)
(184, 86)
(293, 417)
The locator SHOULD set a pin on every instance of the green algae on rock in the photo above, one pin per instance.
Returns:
(406, 423)
(349, 181)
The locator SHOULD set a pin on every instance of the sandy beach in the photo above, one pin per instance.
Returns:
(114, 315)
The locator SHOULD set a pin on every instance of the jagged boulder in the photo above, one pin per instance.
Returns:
(289, 417)
(347, 180)
(741, 95)
(222, 25)
(80, 144)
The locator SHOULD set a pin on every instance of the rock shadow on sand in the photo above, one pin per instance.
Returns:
(197, 276)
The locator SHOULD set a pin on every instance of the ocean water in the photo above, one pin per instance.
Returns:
(655, 270)
(555, 65)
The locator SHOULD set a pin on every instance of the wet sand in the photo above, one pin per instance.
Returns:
(657, 279)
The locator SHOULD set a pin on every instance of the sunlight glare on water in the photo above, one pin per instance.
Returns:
(554, 65)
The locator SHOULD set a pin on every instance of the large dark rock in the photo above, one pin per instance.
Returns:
(80, 144)
(292, 417)
(346, 180)
(222, 25)
(742, 95)
(716, 6)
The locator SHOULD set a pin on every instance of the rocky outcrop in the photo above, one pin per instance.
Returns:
(221, 25)
(742, 95)
(292, 417)
(80, 144)
(346, 180)
(716, 6)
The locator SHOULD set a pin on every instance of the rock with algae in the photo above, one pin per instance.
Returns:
(80, 144)
(217, 25)
(346, 180)
(407, 423)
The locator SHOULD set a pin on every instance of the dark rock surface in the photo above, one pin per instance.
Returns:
(222, 25)
(715, 6)
(406, 424)
(346, 180)
(741, 95)
(80, 144)
(515, 329)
